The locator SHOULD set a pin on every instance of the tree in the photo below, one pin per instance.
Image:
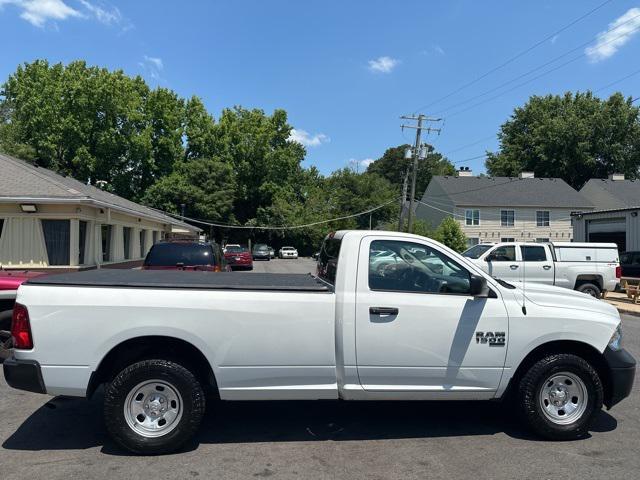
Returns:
(450, 233)
(92, 123)
(205, 186)
(574, 137)
(393, 167)
(198, 129)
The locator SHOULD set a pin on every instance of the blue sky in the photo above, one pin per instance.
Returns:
(344, 71)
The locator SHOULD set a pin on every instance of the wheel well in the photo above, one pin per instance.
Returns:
(145, 348)
(582, 350)
(582, 279)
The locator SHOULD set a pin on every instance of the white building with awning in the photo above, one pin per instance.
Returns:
(52, 222)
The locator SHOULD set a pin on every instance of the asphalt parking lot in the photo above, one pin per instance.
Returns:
(43, 438)
(277, 265)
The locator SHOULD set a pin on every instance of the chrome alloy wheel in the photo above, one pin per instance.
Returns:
(563, 398)
(153, 408)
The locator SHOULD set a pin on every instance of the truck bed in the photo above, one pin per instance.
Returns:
(177, 279)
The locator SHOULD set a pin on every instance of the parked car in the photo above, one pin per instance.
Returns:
(239, 257)
(272, 253)
(315, 255)
(233, 245)
(591, 268)
(460, 334)
(288, 252)
(186, 255)
(630, 264)
(261, 252)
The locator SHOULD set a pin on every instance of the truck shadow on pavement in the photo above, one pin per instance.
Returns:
(71, 423)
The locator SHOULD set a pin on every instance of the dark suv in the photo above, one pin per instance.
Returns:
(186, 255)
(630, 263)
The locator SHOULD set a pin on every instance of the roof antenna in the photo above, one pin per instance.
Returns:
(523, 249)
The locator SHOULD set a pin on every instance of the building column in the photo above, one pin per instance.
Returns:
(74, 242)
(117, 244)
(135, 243)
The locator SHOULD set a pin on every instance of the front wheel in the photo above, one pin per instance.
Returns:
(559, 396)
(153, 407)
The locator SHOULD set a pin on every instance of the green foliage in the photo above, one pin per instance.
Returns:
(393, 166)
(575, 137)
(152, 146)
(450, 233)
(422, 228)
(205, 186)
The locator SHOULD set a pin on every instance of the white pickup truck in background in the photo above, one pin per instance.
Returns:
(591, 268)
(431, 326)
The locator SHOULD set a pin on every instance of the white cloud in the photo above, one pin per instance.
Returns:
(438, 49)
(39, 12)
(107, 14)
(383, 64)
(152, 66)
(308, 140)
(619, 32)
(358, 165)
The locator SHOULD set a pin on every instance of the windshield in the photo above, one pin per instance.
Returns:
(476, 251)
(234, 249)
(171, 254)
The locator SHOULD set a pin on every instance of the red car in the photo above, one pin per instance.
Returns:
(238, 257)
(186, 255)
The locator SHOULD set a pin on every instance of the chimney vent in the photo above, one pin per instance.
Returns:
(616, 177)
(527, 175)
(465, 172)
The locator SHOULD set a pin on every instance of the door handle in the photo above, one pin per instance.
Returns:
(383, 310)
(513, 267)
(546, 267)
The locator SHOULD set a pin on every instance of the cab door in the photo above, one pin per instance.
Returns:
(505, 262)
(419, 330)
(537, 264)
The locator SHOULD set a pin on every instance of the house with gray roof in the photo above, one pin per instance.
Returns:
(49, 221)
(503, 209)
(615, 216)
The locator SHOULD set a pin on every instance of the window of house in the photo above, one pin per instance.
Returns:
(126, 240)
(414, 268)
(82, 241)
(542, 218)
(57, 236)
(507, 239)
(507, 218)
(106, 242)
(1, 226)
(143, 241)
(533, 254)
(155, 237)
(472, 217)
(542, 239)
(472, 241)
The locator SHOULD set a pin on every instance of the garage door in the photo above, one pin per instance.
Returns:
(608, 230)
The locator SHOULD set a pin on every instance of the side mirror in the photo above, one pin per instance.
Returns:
(478, 286)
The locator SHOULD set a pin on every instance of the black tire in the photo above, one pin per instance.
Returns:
(186, 384)
(590, 289)
(532, 383)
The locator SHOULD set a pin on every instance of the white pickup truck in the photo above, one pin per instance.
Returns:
(591, 268)
(434, 327)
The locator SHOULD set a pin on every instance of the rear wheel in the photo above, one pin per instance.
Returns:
(153, 406)
(559, 396)
(590, 289)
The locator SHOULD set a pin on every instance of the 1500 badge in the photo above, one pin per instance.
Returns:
(494, 339)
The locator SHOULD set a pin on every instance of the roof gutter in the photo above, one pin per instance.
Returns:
(97, 203)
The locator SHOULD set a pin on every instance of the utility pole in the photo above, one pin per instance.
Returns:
(418, 152)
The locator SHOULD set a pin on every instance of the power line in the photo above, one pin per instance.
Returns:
(529, 72)
(615, 82)
(517, 56)
(528, 81)
(270, 227)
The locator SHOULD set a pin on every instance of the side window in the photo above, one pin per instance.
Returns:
(506, 253)
(533, 254)
(396, 265)
(636, 259)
